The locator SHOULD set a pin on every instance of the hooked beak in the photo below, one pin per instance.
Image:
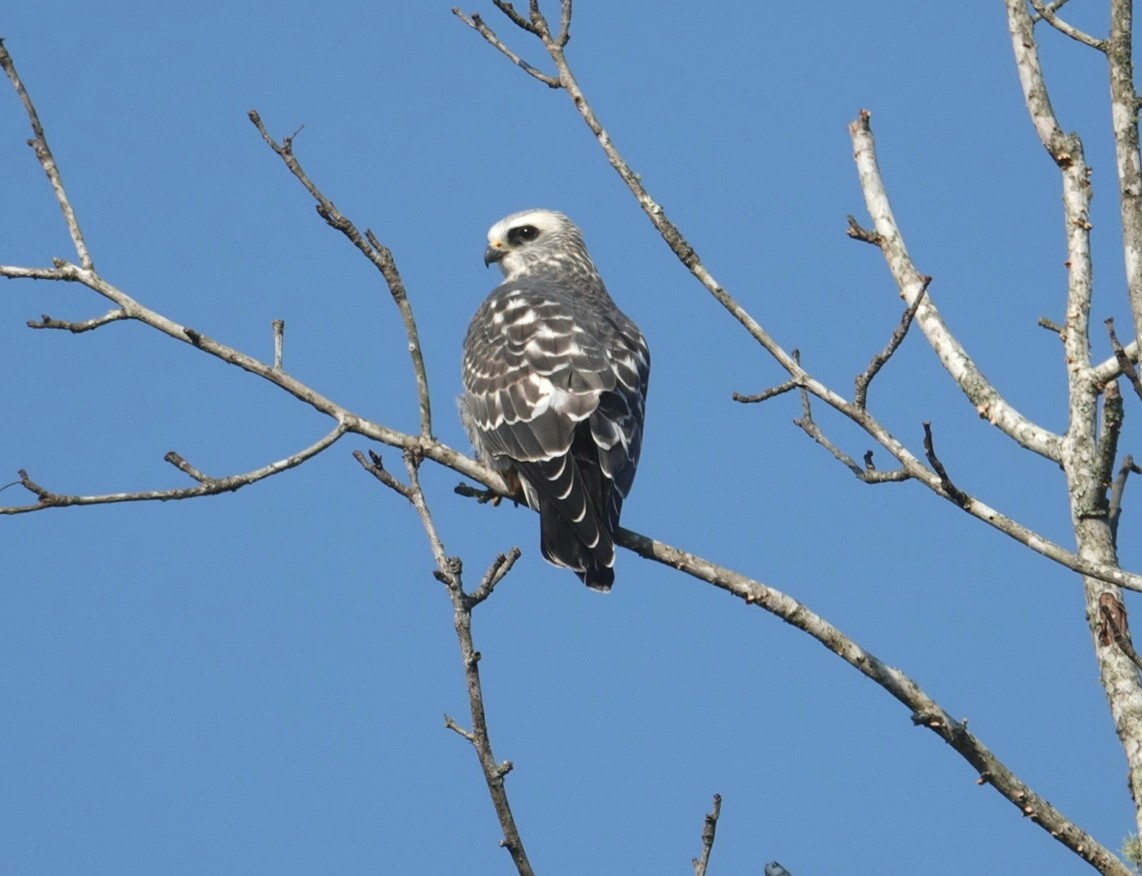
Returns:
(494, 253)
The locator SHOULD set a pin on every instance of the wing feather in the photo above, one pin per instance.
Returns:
(556, 390)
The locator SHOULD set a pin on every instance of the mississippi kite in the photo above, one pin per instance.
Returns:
(555, 379)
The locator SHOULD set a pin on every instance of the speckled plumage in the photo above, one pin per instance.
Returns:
(555, 379)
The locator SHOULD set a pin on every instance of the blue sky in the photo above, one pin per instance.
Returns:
(255, 683)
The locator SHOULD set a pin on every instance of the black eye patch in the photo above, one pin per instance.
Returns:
(522, 234)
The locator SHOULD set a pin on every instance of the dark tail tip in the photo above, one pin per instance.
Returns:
(599, 578)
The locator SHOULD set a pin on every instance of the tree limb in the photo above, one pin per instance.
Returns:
(449, 572)
(1046, 12)
(1122, 357)
(709, 828)
(207, 486)
(1080, 452)
(926, 712)
(1128, 163)
(39, 144)
(378, 254)
(865, 378)
(985, 398)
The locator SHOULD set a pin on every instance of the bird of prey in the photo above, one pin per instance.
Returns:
(555, 379)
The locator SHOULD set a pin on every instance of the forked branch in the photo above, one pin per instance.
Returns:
(207, 486)
(378, 254)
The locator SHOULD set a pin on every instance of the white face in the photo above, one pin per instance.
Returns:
(517, 239)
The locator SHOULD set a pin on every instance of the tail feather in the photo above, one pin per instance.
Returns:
(563, 545)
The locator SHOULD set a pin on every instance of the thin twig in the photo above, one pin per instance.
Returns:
(878, 361)
(517, 19)
(709, 828)
(449, 572)
(765, 394)
(208, 486)
(39, 144)
(375, 466)
(477, 24)
(373, 250)
(279, 342)
(564, 23)
(868, 473)
(47, 322)
(858, 232)
(1117, 488)
(1123, 358)
(954, 493)
(1046, 12)
(500, 566)
(186, 468)
(1054, 6)
(451, 724)
(986, 399)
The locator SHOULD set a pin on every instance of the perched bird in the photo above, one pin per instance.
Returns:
(555, 379)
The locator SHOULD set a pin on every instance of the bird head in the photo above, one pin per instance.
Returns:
(529, 240)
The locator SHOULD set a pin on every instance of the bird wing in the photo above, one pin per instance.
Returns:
(557, 389)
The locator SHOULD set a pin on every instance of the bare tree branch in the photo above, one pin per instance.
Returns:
(374, 251)
(1054, 6)
(765, 394)
(1046, 12)
(1079, 450)
(709, 828)
(1112, 418)
(1123, 358)
(477, 24)
(878, 361)
(858, 232)
(500, 566)
(375, 466)
(868, 473)
(986, 399)
(1050, 325)
(989, 403)
(208, 486)
(926, 712)
(1114, 504)
(449, 572)
(279, 342)
(955, 493)
(46, 322)
(1124, 117)
(1111, 368)
(469, 468)
(39, 144)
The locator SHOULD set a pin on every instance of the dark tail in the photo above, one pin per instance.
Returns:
(563, 545)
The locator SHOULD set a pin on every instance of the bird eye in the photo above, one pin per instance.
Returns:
(522, 234)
